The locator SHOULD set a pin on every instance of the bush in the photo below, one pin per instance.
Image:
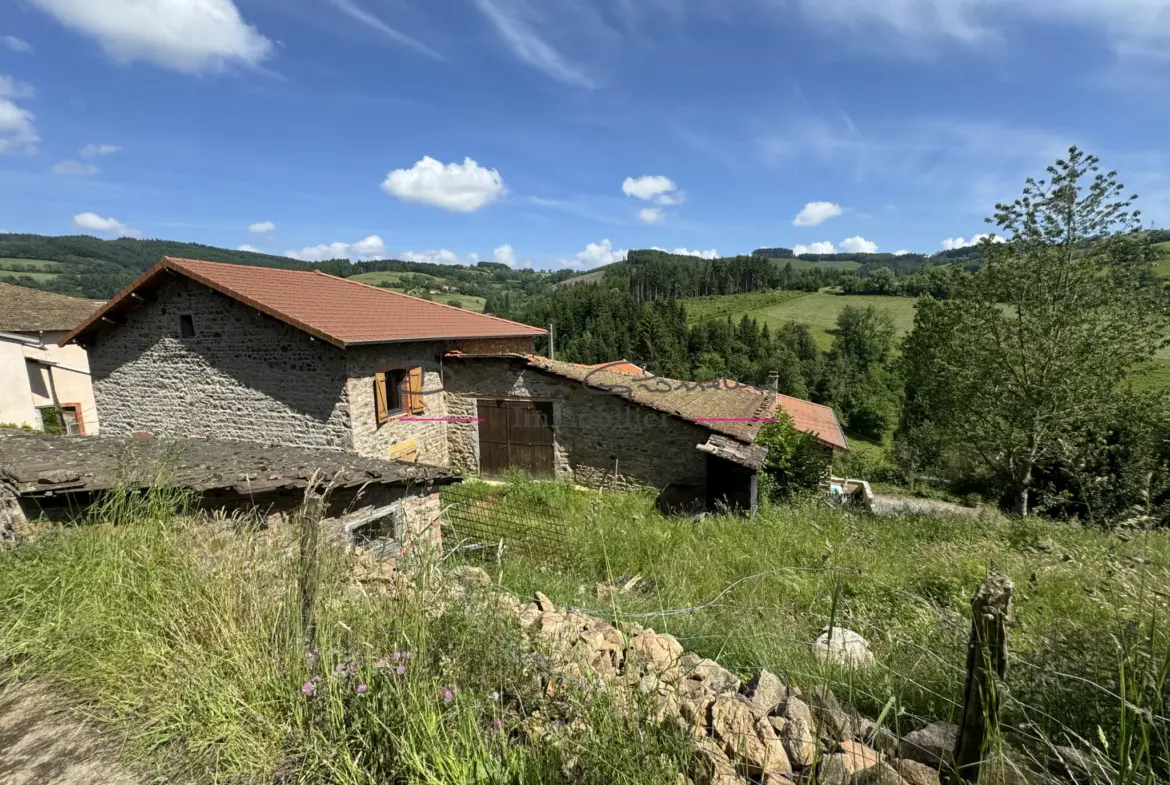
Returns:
(796, 462)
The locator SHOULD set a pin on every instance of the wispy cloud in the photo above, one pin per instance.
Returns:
(354, 11)
(16, 44)
(507, 16)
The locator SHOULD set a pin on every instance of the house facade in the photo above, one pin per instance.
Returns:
(44, 385)
(304, 359)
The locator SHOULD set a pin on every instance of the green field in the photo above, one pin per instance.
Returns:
(818, 310)
(376, 279)
(394, 280)
(7, 262)
(12, 275)
(467, 302)
(1162, 267)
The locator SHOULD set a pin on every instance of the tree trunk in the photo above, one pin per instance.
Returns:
(1021, 506)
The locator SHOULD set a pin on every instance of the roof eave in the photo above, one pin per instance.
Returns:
(447, 338)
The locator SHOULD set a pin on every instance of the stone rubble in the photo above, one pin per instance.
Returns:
(759, 732)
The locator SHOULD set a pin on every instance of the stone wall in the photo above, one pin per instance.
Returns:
(243, 376)
(601, 440)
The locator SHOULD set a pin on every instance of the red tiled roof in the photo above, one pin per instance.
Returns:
(816, 419)
(621, 366)
(341, 311)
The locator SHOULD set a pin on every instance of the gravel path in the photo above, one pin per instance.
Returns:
(41, 743)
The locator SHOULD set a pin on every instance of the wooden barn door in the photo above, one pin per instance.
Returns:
(516, 434)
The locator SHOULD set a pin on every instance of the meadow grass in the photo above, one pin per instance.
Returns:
(186, 638)
(1088, 624)
(819, 310)
(804, 264)
(7, 262)
(13, 275)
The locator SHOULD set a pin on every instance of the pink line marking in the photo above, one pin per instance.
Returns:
(441, 419)
(736, 419)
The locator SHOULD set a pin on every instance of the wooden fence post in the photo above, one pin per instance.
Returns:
(991, 612)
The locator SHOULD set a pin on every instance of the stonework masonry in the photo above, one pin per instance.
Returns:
(601, 440)
(242, 376)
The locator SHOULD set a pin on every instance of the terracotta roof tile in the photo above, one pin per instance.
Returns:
(815, 419)
(341, 311)
(25, 310)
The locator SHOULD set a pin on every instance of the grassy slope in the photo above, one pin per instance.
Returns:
(12, 275)
(1163, 267)
(818, 310)
(804, 264)
(394, 279)
(6, 262)
(904, 583)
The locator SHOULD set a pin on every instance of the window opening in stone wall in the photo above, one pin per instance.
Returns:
(186, 326)
(60, 420)
(398, 391)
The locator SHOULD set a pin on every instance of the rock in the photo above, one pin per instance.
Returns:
(652, 651)
(771, 778)
(779, 724)
(877, 736)
(829, 720)
(1080, 766)
(710, 676)
(859, 757)
(843, 647)
(933, 745)
(711, 764)
(915, 773)
(831, 770)
(798, 735)
(766, 691)
(603, 647)
(998, 769)
(544, 603)
(879, 774)
(473, 574)
(752, 752)
(529, 614)
(697, 712)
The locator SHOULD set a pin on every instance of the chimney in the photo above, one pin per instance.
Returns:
(773, 382)
(552, 336)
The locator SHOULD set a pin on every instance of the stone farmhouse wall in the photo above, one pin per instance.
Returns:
(243, 376)
(601, 440)
(430, 428)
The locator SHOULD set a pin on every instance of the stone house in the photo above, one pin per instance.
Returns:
(43, 384)
(305, 359)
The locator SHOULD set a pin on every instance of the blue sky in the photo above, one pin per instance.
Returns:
(561, 132)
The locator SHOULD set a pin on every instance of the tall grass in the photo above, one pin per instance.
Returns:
(1089, 646)
(193, 641)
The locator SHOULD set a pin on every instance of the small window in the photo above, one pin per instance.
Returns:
(186, 326)
(398, 391)
(64, 420)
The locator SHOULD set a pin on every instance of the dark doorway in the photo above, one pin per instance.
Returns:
(516, 434)
(731, 487)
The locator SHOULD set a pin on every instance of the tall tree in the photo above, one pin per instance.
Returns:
(1038, 341)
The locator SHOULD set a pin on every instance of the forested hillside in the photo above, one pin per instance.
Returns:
(85, 266)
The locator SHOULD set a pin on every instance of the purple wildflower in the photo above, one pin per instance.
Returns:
(381, 663)
(496, 724)
(448, 694)
(400, 670)
(309, 688)
(362, 689)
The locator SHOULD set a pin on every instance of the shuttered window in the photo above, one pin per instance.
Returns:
(398, 391)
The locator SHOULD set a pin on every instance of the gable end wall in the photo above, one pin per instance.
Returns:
(244, 376)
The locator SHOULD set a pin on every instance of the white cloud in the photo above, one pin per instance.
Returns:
(900, 253)
(527, 45)
(355, 11)
(261, 227)
(653, 188)
(651, 215)
(595, 255)
(709, 254)
(955, 243)
(461, 188)
(99, 150)
(1132, 26)
(76, 168)
(441, 256)
(825, 247)
(249, 247)
(15, 44)
(185, 35)
(18, 134)
(504, 255)
(858, 245)
(371, 247)
(815, 213)
(95, 223)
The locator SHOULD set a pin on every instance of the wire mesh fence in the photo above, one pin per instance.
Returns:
(491, 521)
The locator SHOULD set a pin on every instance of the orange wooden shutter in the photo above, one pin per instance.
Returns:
(380, 408)
(416, 391)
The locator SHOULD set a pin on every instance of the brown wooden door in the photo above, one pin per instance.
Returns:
(516, 434)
